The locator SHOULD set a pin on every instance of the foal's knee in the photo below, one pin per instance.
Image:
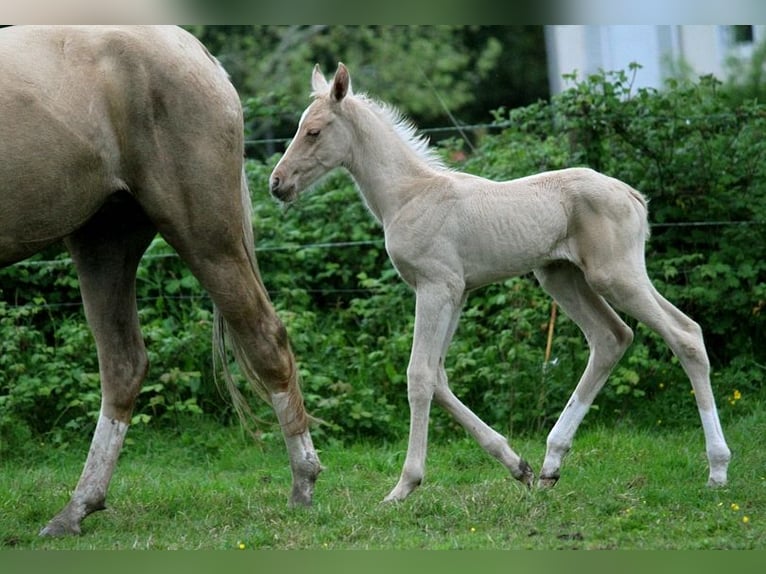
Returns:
(421, 384)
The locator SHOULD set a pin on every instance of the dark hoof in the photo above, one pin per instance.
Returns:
(525, 474)
(303, 488)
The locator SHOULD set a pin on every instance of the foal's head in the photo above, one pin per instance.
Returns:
(322, 142)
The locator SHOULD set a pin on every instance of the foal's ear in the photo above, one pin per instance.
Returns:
(318, 83)
(341, 83)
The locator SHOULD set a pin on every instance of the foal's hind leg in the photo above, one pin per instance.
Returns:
(632, 291)
(608, 337)
(106, 252)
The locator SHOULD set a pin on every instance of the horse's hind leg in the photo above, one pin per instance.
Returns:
(220, 257)
(608, 337)
(106, 253)
(263, 351)
(632, 291)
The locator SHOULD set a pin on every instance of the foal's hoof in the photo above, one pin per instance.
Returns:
(716, 483)
(547, 482)
(525, 474)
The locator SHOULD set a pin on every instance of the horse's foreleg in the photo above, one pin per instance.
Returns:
(436, 312)
(106, 253)
(490, 440)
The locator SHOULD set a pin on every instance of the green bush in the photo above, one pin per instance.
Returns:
(694, 149)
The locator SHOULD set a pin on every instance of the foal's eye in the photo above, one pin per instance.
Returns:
(314, 133)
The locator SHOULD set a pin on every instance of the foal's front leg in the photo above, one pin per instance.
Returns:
(434, 308)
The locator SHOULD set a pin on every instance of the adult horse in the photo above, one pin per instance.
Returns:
(581, 232)
(110, 136)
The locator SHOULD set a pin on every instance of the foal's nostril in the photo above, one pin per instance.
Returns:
(275, 183)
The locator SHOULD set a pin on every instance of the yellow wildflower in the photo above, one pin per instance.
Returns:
(745, 519)
(734, 506)
(737, 395)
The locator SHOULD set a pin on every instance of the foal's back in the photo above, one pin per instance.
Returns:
(493, 230)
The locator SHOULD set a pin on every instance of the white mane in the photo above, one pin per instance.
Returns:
(406, 130)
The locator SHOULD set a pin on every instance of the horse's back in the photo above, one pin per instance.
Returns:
(88, 111)
(133, 79)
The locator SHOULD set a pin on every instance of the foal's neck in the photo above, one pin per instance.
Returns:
(384, 164)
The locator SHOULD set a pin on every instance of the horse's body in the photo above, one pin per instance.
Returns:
(581, 232)
(111, 135)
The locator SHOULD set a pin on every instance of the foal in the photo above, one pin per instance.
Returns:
(581, 233)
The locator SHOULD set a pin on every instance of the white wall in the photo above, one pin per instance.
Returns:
(658, 48)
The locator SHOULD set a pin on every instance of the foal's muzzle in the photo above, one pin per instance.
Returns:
(280, 190)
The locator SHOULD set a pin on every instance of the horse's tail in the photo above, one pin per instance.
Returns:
(224, 337)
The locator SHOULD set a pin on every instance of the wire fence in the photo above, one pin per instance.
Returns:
(293, 247)
(64, 261)
(459, 128)
(686, 119)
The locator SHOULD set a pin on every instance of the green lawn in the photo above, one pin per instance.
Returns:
(210, 488)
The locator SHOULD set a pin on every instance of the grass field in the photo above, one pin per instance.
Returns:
(211, 488)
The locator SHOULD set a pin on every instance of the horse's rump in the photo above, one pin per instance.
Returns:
(88, 111)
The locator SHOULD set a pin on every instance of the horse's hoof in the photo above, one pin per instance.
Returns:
(58, 528)
(547, 482)
(525, 475)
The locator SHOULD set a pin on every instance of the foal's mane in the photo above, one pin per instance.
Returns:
(403, 127)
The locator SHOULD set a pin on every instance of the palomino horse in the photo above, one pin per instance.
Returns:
(110, 136)
(581, 232)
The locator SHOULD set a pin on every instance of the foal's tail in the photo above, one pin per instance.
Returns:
(641, 203)
(223, 334)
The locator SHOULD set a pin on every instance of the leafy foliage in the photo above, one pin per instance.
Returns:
(695, 149)
(457, 70)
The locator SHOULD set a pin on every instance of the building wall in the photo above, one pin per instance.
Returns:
(662, 50)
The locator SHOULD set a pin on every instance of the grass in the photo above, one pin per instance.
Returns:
(210, 488)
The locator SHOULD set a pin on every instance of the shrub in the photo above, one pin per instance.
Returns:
(693, 149)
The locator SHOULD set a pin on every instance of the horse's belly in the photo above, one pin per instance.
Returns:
(47, 191)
